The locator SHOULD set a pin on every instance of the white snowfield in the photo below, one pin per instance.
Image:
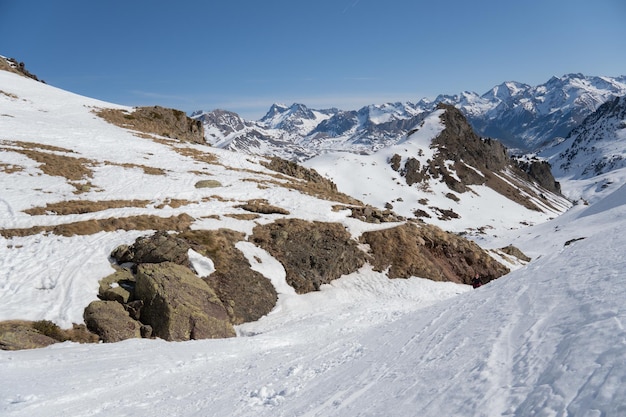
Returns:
(547, 340)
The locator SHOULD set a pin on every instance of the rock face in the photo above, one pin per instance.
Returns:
(160, 247)
(312, 253)
(246, 294)
(110, 321)
(16, 335)
(179, 305)
(428, 252)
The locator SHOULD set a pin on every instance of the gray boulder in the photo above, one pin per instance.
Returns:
(179, 305)
(160, 247)
(111, 321)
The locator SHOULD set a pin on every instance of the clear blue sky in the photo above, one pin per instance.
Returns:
(244, 55)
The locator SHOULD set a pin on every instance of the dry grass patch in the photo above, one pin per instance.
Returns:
(83, 206)
(69, 167)
(10, 95)
(262, 206)
(197, 155)
(90, 227)
(146, 169)
(243, 216)
(10, 168)
(174, 203)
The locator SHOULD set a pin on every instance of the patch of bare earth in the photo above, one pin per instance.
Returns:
(89, 227)
(83, 206)
(262, 206)
(53, 160)
(10, 168)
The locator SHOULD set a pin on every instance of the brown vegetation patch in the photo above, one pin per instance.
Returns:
(90, 227)
(243, 216)
(156, 120)
(428, 252)
(196, 154)
(60, 165)
(262, 206)
(146, 169)
(312, 253)
(10, 168)
(10, 95)
(174, 203)
(83, 206)
(246, 294)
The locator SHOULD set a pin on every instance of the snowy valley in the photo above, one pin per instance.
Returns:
(548, 338)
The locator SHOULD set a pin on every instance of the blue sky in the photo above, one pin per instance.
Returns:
(244, 55)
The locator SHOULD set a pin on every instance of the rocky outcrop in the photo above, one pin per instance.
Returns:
(157, 120)
(16, 335)
(428, 252)
(157, 248)
(246, 294)
(312, 253)
(540, 171)
(110, 321)
(179, 305)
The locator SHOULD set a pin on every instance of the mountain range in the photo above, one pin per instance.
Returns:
(524, 118)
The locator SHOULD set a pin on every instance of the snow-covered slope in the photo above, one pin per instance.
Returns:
(548, 339)
(595, 147)
(523, 117)
(477, 208)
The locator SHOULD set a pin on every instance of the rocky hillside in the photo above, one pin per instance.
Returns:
(523, 117)
(595, 147)
(120, 222)
(444, 173)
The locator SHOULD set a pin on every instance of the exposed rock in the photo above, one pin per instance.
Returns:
(246, 294)
(157, 120)
(179, 305)
(160, 247)
(312, 253)
(541, 172)
(371, 214)
(117, 286)
(297, 171)
(513, 251)
(428, 252)
(111, 321)
(16, 335)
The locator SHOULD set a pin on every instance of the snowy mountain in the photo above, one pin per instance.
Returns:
(443, 173)
(596, 146)
(80, 177)
(523, 117)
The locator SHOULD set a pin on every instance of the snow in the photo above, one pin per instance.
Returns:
(548, 339)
